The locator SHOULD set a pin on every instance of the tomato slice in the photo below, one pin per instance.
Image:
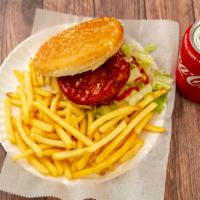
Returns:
(99, 86)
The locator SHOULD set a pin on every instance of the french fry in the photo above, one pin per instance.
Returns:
(52, 136)
(74, 109)
(47, 80)
(49, 165)
(26, 139)
(53, 132)
(82, 162)
(86, 107)
(90, 119)
(37, 131)
(19, 141)
(111, 168)
(63, 97)
(61, 113)
(79, 119)
(43, 140)
(79, 145)
(109, 161)
(14, 122)
(110, 124)
(26, 129)
(8, 123)
(23, 103)
(120, 111)
(70, 161)
(154, 128)
(73, 166)
(32, 74)
(67, 171)
(68, 115)
(133, 115)
(38, 165)
(139, 127)
(108, 138)
(47, 101)
(83, 127)
(28, 152)
(63, 136)
(76, 133)
(150, 97)
(54, 103)
(74, 145)
(69, 154)
(133, 151)
(19, 76)
(127, 119)
(40, 79)
(15, 102)
(59, 167)
(42, 125)
(54, 84)
(93, 156)
(42, 92)
(48, 135)
(44, 146)
(24, 154)
(62, 104)
(48, 152)
(110, 147)
(97, 136)
(159, 93)
(29, 90)
(147, 99)
(12, 95)
(74, 122)
(37, 97)
(107, 132)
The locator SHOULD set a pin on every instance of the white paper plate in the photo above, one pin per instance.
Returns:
(19, 59)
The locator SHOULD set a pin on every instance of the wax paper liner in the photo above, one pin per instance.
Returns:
(147, 177)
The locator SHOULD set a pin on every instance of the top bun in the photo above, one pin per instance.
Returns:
(81, 48)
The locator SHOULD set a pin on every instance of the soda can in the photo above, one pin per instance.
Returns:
(188, 67)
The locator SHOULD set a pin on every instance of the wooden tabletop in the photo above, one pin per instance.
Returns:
(183, 174)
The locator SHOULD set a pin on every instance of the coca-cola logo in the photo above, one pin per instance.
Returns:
(191, 78)
(194, 80)
(184, 70)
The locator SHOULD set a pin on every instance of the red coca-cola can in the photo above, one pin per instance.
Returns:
(188, 67)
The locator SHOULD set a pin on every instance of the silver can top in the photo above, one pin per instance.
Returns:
(195, 36)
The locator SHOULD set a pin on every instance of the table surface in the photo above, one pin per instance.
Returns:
(183, 172)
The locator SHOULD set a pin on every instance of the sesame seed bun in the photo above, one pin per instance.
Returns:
(83, 47)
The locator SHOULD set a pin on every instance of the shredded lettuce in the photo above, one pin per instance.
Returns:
(144, 59)
(102, 110)
(130, 84)
(121, 103)
(161, 81)
(150, 48)
(135, 97)
(140, 85)
(127, 50)
(141, 56)
(134, 74)
(161, 101)
(132, 66)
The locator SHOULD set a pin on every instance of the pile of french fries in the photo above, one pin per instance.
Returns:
(60, 138)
